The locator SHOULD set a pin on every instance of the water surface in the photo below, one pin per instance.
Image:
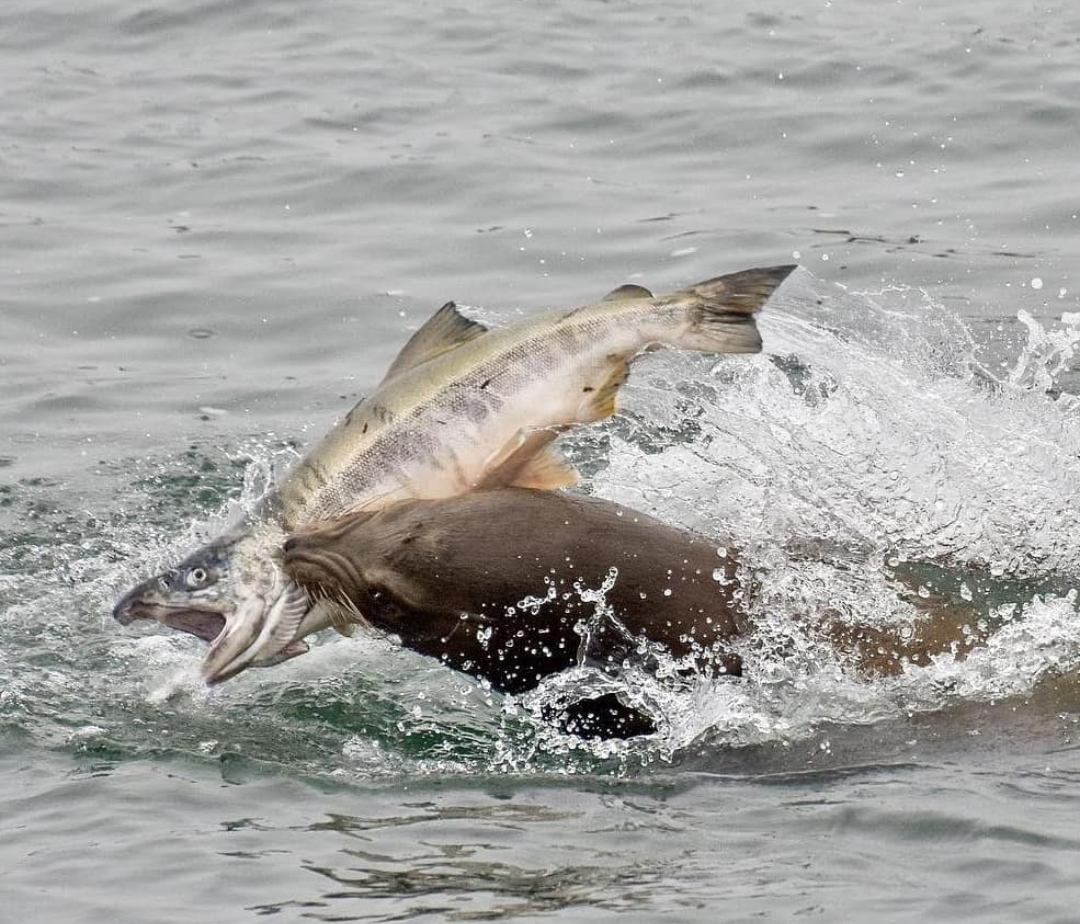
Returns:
(219, 221)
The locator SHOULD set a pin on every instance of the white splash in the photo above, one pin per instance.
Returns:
(870, 436)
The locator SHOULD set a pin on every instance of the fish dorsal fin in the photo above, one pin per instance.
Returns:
(528, 461)
(627, 291)
(446, 329)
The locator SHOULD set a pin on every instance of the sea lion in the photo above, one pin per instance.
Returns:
(503, 585)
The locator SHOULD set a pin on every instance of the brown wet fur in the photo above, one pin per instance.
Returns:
(944, 626)
(442, 574)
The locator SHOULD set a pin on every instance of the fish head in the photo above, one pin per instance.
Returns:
(196, 596)
(232, 594)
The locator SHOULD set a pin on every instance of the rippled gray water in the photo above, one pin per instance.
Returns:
(218, 222)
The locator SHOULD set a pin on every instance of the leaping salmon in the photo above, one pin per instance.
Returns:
(462, 408)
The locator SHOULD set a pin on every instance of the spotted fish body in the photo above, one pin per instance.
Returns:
(464, 407)
(461, 408)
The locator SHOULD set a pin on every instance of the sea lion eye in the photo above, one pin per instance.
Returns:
(196, 577)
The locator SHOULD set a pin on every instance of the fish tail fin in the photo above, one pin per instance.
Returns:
(723, 321)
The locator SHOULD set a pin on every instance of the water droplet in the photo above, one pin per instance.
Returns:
(1036, 283)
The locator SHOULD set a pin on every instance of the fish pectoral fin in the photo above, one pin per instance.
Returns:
(287, 613)
(598, 397)
(627, 291)
(529, 461)
(443, 331)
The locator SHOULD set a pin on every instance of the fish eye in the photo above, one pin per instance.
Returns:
(196, 577)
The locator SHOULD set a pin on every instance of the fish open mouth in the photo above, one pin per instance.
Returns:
(203, 625)
(251, 626)
(144, 602)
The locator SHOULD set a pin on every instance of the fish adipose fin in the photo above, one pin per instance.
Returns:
(627, 291)
(724, 322)
(529, 461)
(446, 329)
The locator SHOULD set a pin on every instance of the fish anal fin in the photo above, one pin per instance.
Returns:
(627, 291)
(529, 461)
(546, 471)
(443, 331)
(598, 396)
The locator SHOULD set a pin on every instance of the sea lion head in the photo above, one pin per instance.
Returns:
(350, 564)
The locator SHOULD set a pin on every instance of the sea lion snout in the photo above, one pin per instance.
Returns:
(319, 569)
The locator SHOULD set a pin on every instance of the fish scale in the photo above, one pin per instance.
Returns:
(461, 408)
(450, 397)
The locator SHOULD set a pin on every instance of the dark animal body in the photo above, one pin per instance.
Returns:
(449, 578)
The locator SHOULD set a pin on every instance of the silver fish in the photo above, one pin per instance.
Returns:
(462, 408)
